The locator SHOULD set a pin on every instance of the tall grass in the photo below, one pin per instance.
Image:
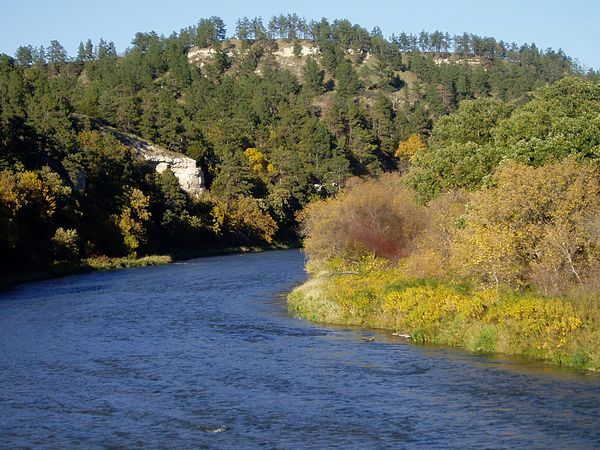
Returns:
(558, 330)
(106, 263)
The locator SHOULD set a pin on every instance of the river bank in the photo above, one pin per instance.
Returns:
(101, 263)
(558, 330)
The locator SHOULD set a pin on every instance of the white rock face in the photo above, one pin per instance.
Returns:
(190, 177)
(284, 55)
(199, 56)
(288, 52)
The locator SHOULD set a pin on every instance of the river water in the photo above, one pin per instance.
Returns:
(204, 354)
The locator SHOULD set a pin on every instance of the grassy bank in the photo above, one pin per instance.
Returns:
(562, 331)
(106, 263)
(84, 266)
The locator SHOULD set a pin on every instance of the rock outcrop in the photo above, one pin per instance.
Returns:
(190, 177)
(199, 56)
(283, 54)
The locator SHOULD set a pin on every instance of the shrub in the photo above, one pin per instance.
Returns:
(535, 225)
(369, 217)
(425, 309)
(66, 244)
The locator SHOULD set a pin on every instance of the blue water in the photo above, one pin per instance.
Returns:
(204, 354)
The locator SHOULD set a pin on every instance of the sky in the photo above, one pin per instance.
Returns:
(570, 25)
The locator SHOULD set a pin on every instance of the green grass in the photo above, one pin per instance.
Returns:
(106, 263)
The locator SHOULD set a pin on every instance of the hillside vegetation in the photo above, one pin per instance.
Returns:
(276, 116)
(489, 240)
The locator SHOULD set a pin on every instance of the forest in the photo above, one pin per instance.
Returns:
(283, 114)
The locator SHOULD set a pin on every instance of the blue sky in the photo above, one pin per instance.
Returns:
(571, 25)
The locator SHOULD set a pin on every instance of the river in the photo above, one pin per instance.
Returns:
(203, 354)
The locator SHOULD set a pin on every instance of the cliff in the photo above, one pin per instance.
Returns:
(190, 177)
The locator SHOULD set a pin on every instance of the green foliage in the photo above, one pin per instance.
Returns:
(561, 120)
(66, 244)
(467, 146)
(472, 122)
(57, 112)
(450, 167)
(313, 76)
(210, 31)
(348, 82)
(174, 199)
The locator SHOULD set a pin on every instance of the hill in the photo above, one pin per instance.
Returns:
(275, 116)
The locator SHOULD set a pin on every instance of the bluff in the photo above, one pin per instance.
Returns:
(190, 176)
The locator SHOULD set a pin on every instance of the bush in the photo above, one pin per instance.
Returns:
(369, 217)
(66, 244)
(536, 226)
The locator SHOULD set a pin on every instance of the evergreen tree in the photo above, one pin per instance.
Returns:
(24, 55)
(313, 76)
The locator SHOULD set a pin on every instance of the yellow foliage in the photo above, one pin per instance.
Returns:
(132, 220)
(9, 197)
(248, 216)
(33, 190)
(490, 320)
(431, 258)
(489, 253)
(139, 203)
(547, 322)
(244, 215)
(218, 218)
(535, 225)
(424, 309)
(408, 149)
(259, 163)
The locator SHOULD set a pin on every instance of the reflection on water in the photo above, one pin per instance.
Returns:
(204, 354)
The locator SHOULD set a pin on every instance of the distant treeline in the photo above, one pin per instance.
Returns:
(270, 137)
(291, 27)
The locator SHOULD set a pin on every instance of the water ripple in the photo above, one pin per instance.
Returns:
(204, 355)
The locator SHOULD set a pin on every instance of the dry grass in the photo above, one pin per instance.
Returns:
(559, 330)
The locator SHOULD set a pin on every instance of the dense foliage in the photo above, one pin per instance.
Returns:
(533, 226)
(271, 132)
(563, 331)
(497, 246)
(561, 120)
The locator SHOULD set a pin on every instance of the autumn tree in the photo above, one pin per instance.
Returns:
(133, 219)
(375, 217)
(409, 149)
(535, 225)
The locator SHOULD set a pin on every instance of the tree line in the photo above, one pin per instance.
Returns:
(270, 139)
(503, 195)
